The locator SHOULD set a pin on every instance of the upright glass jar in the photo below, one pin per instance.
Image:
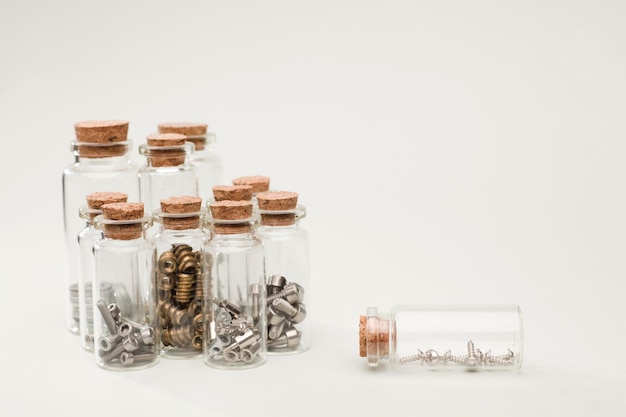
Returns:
(234, 309)
(287, 270)
(125, 331)
(207, 161)
(180, 269)
(101, 163)
(420, 337)
(87, 238)
(167, 171)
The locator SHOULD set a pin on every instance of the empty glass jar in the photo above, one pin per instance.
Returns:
(234, 313)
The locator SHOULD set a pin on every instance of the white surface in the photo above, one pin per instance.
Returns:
(446, 151)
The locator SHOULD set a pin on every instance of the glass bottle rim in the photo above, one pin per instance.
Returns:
(150, 151)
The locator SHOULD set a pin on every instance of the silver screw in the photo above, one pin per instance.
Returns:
(290, 338)
(295, 313)
(128, 358)
(293, 293)
(106, 316)
(129, 344)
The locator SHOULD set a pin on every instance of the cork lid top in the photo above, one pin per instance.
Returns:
(123, 211)
(232, 192)
(181, 205)
(101, 131)
(231, 210)
(166, 139)
(98, 199)
(259, 183)
(277, 200)
(184, 128)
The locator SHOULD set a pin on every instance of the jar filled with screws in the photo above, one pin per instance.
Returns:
(420, 337)
(234, 314)
(287, 269)
(125, 331)
(87, 238)
(180, 269)
(167, 171)
(102, 162)
(208, 163)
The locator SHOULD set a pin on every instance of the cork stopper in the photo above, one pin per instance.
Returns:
(231, 210)
(259, 183)
(166, 157)
(232, 192)
(195, 132)
(277, 201)
(96, 200)
(373, 338)
(123, 211)
(181, 205)
(103, 134)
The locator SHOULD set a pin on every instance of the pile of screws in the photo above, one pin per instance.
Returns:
(127, 342)
(180, 285)
(237, 335)
(474, 357)
(284, 310)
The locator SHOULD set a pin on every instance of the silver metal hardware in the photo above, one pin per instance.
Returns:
(474, 357)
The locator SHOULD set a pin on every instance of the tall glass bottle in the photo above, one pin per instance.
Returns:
(287, 271)
(462, 337)
(101, 163)
(180, 269)
(87, 238)
(207, 161)
(125, 331)
(167, 171)
(234, 313)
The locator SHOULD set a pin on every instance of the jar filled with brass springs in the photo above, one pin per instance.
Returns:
(125, 331)
(287, 270)
(234, 305)
(101, 162)
(180, 269)
(87, 238)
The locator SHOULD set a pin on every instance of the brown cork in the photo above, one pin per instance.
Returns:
(181, 205)
(231, 210)
(362, 336)
(123, 211)
(373, 341)
(232, 192)
(277, 201)
(166, 157)
(259, 183)
(195, 132)
(96, 200)
(103, 134)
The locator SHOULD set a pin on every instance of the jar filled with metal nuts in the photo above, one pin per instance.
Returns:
(207, 161)
(234, 307)
(125, 331)
(286, 244)
(167, 170)
(180, 266)
(101, 151)
(87, 238)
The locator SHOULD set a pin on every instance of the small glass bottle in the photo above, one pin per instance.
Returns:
(180, 269)
(101, 163)
(234, 309)
(208, 163)
(167, 171)
(464, 337)
(87, 238)
(125, 331)
(287, 270)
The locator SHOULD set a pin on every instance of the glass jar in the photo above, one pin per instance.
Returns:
(101, 163)
(207, 162)
(125, 331)
(87, 238)
(234, 309)
(180, 270)
(287, 271)
(167, 171)
(420, 337)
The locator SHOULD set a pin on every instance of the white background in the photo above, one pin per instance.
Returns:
(446, 151)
